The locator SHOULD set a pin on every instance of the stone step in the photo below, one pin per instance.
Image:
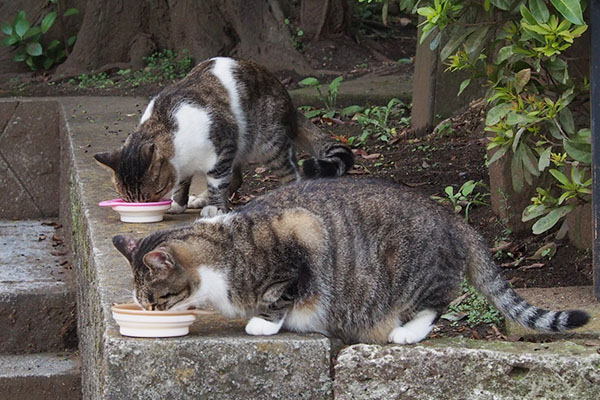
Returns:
(37, 303)
(42, 376)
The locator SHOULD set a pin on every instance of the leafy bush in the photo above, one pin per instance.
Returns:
(516, 48)
(376, 121)
(329, 99)
(25, 39)
(465, 197)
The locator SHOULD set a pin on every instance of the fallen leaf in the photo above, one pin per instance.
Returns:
(371, 156)
(260, 170)
(592, 343)
(458, 300)
(500, 246)
(532, 266)
(454, 316)
(547, 250)
(355, 171)
(41, 237)
(425, 164)
(56, 238)
(58, 253)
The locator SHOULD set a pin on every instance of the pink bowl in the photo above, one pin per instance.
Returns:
(138, 212)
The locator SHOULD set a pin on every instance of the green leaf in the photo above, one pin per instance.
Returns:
(467, 187)
(548, 221)
(48, 63)
(20, 56)
(560, 177)
(34, 30)
(10, 40)
(498, 154)
(71, 40)
(53, 44)
(456, 39)
(336, 83)
(435, 42)
(34, 49)
(533, 211)
(529, 161)
(544, 160)
(504, 53)
(463, 86)
(476, 40)
(21, 24)
(71, 11)
(310, 81)
(527, 15)
(351, 110)
(502, 4)
(48, 21)
(6, 28)
(566, 120)
(581, 152)
(570, 9)
(539, 10)
(497, 113)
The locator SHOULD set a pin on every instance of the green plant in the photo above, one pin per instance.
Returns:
(473, 306)
(297, 35)
(465, 197)
(329, 99)
(26, 40)
(378, 120)
(98, 81)
(516, 48)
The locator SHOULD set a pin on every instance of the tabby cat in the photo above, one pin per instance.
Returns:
(223, 115)
(361, 260)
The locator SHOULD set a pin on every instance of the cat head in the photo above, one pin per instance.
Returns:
(141, 172)
(161, 280)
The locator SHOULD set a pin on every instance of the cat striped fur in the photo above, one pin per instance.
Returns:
(361, 260)
(222, 116)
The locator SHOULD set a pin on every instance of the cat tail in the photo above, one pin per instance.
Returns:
(331, 158)
(486, 277)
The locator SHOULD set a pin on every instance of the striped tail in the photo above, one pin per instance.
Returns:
(331, 158)
(336, 160)
(486, 277)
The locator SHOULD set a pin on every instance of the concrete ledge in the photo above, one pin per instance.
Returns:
(467, 369)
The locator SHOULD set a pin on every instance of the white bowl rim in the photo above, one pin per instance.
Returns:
(123, 203)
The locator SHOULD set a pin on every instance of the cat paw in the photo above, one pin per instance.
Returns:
(258, 326)
(211, 211)
(402, 335)
(197, 201)
(176, 208)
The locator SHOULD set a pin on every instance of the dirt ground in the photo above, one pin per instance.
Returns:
(427, 164)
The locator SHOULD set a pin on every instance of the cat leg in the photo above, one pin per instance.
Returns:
(199, 201)
(258, 326)
(275, 304)
(284, 164)
(218, 181)
(414, 330)
(180, 196)
(236, 179)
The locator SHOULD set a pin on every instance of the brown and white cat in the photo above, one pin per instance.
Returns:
(223, 115)
(361, 260)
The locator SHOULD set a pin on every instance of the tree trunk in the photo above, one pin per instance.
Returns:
(121, 32)
(320, 19)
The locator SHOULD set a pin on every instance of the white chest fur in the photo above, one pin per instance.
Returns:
(305, 319)
(194, 151)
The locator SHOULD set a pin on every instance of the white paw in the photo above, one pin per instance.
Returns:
(402, 335)
(198, 201)
(176, 208)
(210, 211)
(259, 326)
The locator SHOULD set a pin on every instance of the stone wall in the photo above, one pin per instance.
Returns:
(29, 159)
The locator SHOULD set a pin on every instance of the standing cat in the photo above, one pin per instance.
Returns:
(362, 260)
(223, 115)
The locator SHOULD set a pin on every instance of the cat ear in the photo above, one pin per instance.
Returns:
(274, 292)
(110, 159)
(159, 261)
(126, 244)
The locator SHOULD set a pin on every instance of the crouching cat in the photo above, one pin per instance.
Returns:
(361, 260)
(223, 115)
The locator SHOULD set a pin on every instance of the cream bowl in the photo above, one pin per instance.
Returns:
(136, 322)
(138, 212)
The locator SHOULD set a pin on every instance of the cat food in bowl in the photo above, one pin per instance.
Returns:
(136, 322)
(138, 212)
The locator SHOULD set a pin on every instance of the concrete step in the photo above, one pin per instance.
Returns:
(45, 376)
(37, 303)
